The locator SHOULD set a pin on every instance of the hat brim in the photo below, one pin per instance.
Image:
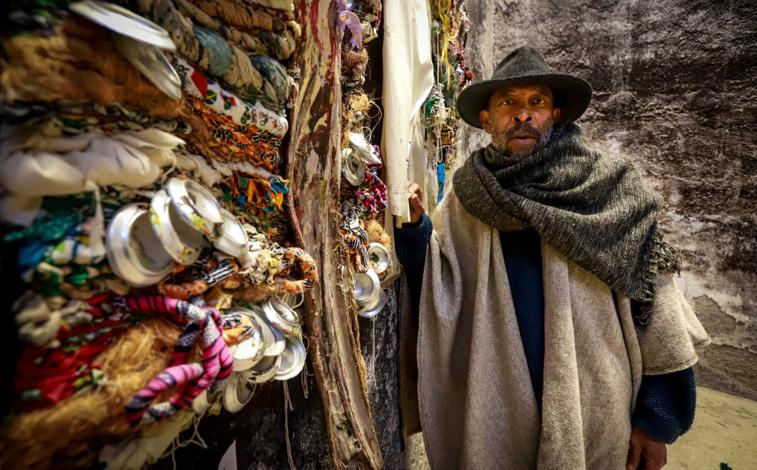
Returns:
(571, 94)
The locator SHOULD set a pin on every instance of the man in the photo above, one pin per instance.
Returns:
(551, 333)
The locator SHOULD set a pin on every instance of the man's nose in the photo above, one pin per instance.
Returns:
(522, 116)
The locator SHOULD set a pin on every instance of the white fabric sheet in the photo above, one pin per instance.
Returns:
(408, 77)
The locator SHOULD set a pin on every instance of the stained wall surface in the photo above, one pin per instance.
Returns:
(675, 91)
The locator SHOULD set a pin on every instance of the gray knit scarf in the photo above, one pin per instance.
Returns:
(588, 204)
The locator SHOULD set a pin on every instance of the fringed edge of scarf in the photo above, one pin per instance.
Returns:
(663, 259)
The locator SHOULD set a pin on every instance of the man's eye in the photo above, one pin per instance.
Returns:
(507, 102)
(537, 101)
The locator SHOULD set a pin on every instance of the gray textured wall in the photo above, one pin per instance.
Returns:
(675, 90)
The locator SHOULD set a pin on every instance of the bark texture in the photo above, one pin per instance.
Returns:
(314, 170)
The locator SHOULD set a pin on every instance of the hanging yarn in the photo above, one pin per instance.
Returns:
(64, 435)
(449, 32)
(244, 17)
(205, 48)
(73, 65)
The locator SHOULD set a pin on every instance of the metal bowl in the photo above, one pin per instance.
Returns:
(238, 392)
(125, 22)
(374, 307)
(152, 63)
(366, 285)
(292, 360)
(353, 167)
(378, 258)
(273, 339)
(179, 240)
(196, 205)
(135, 253)
(264, 370)
(250, 351)
(280, 316)
(232, 238)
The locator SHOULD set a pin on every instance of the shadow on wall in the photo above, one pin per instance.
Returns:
(673, 91)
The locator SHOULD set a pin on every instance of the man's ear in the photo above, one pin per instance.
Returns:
(483, 117)
(556, 113)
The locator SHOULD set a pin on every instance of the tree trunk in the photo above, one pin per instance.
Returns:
(314, 171)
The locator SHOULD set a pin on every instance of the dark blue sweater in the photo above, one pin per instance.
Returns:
(665, 404)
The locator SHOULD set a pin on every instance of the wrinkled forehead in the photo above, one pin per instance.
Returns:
(521, 90)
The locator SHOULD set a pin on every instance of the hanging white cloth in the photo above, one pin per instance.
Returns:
(408, 77)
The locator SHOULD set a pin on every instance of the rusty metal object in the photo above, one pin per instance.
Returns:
(314, 171)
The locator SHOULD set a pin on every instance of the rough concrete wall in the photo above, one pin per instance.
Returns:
(674, 90)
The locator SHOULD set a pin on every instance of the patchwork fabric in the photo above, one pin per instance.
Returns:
(45, 376)
(197, 84)
(233, 141)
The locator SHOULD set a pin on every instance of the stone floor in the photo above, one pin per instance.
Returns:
(724, 431)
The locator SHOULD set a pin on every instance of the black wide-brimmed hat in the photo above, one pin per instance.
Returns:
(525, 66)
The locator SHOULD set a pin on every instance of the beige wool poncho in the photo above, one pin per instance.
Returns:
(477, 404)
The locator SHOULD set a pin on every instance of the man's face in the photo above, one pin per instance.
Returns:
(520, 118)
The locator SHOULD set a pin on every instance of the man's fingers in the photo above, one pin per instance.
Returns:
(634, 456)
(413, 189)
(655, 457)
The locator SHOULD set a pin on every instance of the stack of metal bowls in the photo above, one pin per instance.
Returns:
(273, 350)
(144, 244)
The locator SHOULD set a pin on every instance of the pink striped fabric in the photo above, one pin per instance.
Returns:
(189, 379)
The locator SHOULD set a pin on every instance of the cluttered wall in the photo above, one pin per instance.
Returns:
(193, 242)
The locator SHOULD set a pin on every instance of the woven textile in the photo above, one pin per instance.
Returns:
(588, 204)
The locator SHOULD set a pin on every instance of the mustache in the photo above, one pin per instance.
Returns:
(523, 129)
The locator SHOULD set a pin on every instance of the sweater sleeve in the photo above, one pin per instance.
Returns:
(665, 405)
(411, 242)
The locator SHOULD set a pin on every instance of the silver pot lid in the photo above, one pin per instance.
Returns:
(180, 241)
(365, 286)
(292, 360)
(134, 252)
(124, 22)
(152, 63)
(250, 350)
(196, 205)
(378, 258)
(238, 392)
(374, 307)
(280, 316)
(264, 370)
(232, 238)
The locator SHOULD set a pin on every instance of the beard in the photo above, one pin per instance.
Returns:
(499, 139)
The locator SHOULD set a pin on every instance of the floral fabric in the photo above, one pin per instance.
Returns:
(197, 84)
